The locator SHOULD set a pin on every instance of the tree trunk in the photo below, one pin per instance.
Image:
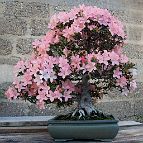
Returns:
(85, 105)
(85, 102)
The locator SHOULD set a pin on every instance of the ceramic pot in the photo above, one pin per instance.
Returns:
(63, 130)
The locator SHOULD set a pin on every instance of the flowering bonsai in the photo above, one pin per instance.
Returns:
(78, 60)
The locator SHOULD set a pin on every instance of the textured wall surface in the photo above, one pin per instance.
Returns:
(22, 21)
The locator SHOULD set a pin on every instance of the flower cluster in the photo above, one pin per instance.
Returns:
(86, 40)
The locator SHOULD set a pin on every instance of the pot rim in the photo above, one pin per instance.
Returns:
(53, 121)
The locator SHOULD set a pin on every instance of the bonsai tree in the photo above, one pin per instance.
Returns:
(78, 60)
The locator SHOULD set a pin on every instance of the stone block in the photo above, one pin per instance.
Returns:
(117, 4)
(26, 9)
(139, 66)
(135, 33)
(128, 16)
(5, 47)
(13, 109)
(15, 26)
(139, 91)
(39, 27)
(9, 61)
(6, 73)
(2, 7)
(133, 51)
(135, 4)
(120, 109)
(139, 107)
(24, 46)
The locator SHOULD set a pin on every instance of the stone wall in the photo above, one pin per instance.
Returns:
(22, 21)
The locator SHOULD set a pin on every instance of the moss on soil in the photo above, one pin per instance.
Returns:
(92, 117)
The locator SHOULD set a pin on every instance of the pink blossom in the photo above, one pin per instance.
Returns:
(63, 17)
(83, 59)
(103, 58)
(58, 95)
(18, 85)
(19, 67)
(63, 61)
(67, 95)
(117, 73)
(27, 79)
(36, 43)
(64, 67)
(90, 66)
(41, 97)
(51, 96)
(37, 79)
(41, 104)
(66, 52)
(54, 95)
(114, 58)
(33, 89)
(121, 82)
(64, 71)
(53, 22)
(11, 93)
(75, 62)
(68, 32)
(118, 50)
(68, 85)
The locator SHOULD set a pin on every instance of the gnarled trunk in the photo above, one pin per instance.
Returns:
(85, 102)
(85, 105)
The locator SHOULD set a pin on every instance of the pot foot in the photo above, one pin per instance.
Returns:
(61, 140)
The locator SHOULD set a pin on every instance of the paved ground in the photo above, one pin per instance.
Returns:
(34, 130)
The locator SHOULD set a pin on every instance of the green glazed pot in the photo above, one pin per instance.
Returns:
(63, 130)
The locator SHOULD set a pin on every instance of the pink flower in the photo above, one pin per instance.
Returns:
(19, 67)
(118, 50)
(90, 66)
(18, 85)
(68, 32)
(83, 59)
(41, 97)
(11, 93)
(58, 95)
(33, 89)
(36, 43)
(114, 58)
(64, 71)
(41, 104)
(51, 96)
(27, 79)
(75, 62)
(117, 73)
(54, 95)
(68, 85)
(64, 67)
(121, 82)
(103, 58)
(63, 17)
(53, 22)
(67, 95)
(37, 79)
(66, 52)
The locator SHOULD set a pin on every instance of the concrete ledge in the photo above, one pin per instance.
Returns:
(32, 124)
(24, 121)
